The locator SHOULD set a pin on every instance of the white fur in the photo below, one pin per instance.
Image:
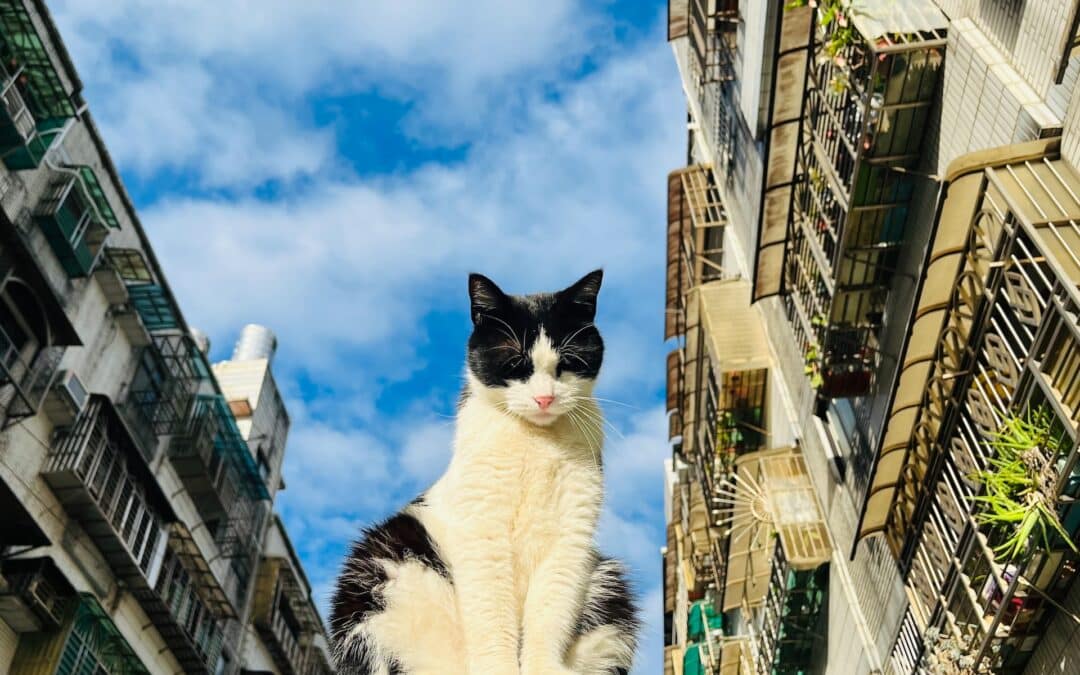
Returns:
(514, 518)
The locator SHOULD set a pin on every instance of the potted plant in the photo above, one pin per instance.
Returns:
(1018, 503)
(949, 654)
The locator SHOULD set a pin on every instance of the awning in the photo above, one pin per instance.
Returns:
(1036, 189)
(678, 21)
(693, 206)
(772, 495)
(736, 657)
(791, 52)
(734, 331)
(887, 18)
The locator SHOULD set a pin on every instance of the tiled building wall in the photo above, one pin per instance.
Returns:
(985, 101)
(1032, 32)
(1070, 140)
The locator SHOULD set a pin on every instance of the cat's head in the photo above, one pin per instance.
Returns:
(535, 356)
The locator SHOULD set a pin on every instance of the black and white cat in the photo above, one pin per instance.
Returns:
(493, 570)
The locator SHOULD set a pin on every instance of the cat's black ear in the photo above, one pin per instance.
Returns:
(582, 294)
(485, 296)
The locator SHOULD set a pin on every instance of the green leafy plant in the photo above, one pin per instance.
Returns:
(838, 14)
(1018, 501)
(812, 366)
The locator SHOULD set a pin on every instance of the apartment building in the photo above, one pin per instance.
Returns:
(872, 268)
(137, 481)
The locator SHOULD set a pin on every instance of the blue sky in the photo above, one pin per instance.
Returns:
(333, 170)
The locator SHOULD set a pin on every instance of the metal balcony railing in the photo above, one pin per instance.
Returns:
(283, 615)
(35, 105)
(316, 662)
(178, 606)
(201, 459)
(98, 474)
(163, 388)
(75, 217)
(791, 617)
(238, 539)
(25, 379)
(695, 245)
(867, 104)
(995, 340)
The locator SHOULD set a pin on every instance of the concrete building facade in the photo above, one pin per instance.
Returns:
(872, 275)
(137, 532)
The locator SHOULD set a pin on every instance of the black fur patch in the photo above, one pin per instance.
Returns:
(357, 595)
(505, 327)
(610, 600)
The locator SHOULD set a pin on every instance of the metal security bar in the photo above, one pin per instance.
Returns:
(191, 628)
(283, 615)
(35, 105)
(791, 615)
(97, 473)
(163, 388)
(865, 113)
(75, 217)
(1006, 347)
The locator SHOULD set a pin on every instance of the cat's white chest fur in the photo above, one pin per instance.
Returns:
(530, 484)
(514, 515)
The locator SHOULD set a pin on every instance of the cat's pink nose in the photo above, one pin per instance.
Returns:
(544, 401)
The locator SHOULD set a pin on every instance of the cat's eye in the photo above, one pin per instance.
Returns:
(515, 363)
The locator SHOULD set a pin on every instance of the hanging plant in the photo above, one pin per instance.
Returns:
(842, 35)
(1018, 501)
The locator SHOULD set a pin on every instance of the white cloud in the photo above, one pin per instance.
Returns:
(203, 86)
(570, 186)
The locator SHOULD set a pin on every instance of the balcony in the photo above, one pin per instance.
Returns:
(868, 100)
(87, 642)
(75, 217)
(283, 615)
(994, 342)
(162, 389)
(34, 594)
(34, 106)
(733, 390)
(187, 606)
(238, 539)
(317, 659)
(792, 617)
(771, 495)
(777, 559)
(100, 477)
(789, 58)
(199, 455)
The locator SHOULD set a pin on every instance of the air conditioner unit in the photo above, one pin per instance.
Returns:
(65, 400)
